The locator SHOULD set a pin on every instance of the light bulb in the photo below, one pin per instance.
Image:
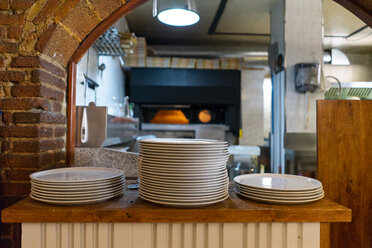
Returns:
(178, 17)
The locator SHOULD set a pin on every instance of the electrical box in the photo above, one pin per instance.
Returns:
(307, 77)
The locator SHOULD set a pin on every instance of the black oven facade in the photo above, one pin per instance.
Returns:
(195, 92)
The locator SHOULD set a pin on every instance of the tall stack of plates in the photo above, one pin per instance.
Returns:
(76, 185)
(279, 188)
(183, 172)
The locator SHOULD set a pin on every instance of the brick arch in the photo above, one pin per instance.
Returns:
(38, 39)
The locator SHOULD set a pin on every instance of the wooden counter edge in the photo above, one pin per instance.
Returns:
(14, 214)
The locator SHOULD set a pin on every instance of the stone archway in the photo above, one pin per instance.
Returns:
(38, 39)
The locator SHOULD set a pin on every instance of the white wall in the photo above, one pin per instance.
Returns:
(111, 89)
(252, 103)
(303, 44)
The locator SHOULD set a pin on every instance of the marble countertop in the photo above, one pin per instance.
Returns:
(108, 158)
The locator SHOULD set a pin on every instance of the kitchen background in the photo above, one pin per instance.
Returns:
(274, 135)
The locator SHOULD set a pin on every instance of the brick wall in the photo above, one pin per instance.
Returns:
(37, 40)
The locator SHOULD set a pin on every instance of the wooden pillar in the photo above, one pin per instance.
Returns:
(344, 131)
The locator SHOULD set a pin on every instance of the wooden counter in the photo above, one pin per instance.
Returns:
(131, 222)
(131, 208)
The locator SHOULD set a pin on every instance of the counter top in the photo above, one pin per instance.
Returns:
(131, 208)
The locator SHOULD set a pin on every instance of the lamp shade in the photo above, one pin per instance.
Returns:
(176, 12)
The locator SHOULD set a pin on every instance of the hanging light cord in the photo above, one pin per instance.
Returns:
(85, 80)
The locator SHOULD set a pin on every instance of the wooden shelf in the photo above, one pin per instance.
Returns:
(131, 208)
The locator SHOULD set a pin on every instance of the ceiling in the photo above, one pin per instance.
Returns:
(243, 28)
(339, 26)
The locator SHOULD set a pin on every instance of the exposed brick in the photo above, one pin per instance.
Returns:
(25, 104)
(57, 107)
(11, 19)
(6, 146)
(25, 131)
(73, 20)
(105, 8)
(7, 117)
(59, 131)
(37, 91)
(4, 4)
(31, 62)
(21, 4)
(46, 159)
(51, 144)
(15, 188)
(15, 32)
(26, 161)
(25, 62)
(65, 8)
(2, 32)
(59, 156)
(39, 117)
(52, 68)
(12, 76)
(2, 62)
(19, 175)
(38, 76)
(19, 161)
(48, 10)
(45, 37)
(8, 47)
(60, 46)
(25, 146)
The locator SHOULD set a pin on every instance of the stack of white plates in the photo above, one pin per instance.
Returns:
(279, 188)
(76, 185)
(183, 172)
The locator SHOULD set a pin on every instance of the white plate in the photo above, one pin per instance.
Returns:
(280, 182)
(183, 198)
(75, 197)
(280, 193)
(76, 175)
(200, 185)
(286, 202)
(175, 141)
(77, 188)
(183, 162)
(186, 173)
(193, 190)
(77, 192)
(280, 197)
(184, 179)
(166, 150)
(181, 154)
(181, 169)
(211, 173)
(183, 166)
(185, 158)
(184, 205)
(77, 202)
(82, 184)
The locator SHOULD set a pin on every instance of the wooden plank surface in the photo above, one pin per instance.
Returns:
(131, 208)
(344, 166)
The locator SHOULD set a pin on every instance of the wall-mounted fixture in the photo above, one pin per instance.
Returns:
(307, 77)
(176, 12)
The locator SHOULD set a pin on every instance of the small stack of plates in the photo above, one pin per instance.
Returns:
(183, 172)
(76, 185)
(279, 188)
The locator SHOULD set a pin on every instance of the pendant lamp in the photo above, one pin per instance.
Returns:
(176, 12)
